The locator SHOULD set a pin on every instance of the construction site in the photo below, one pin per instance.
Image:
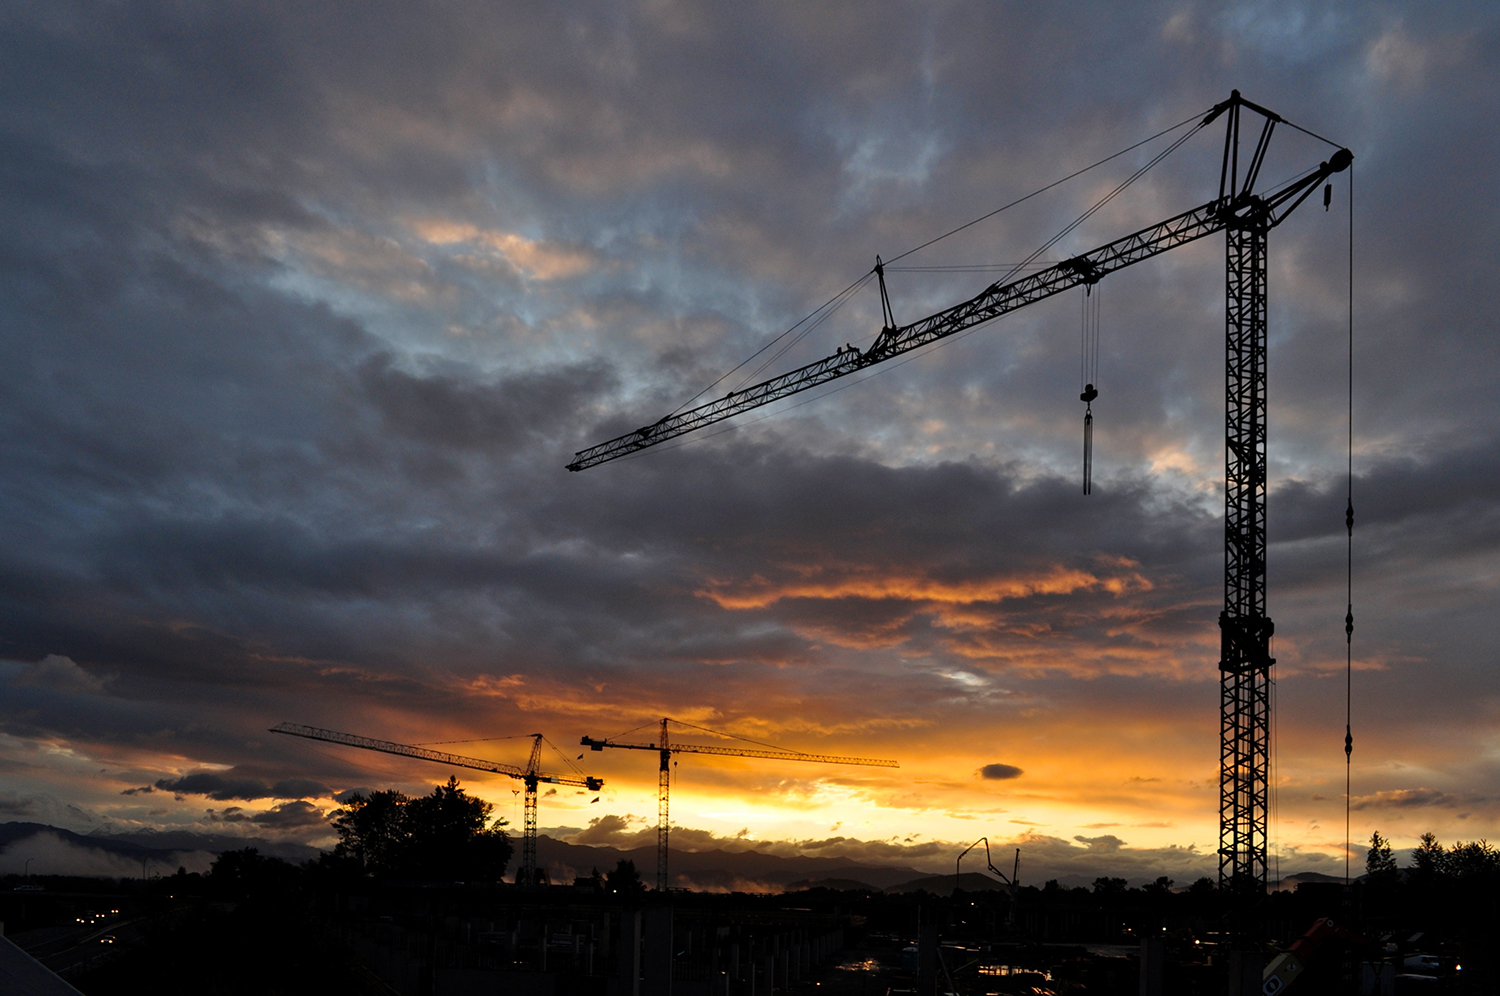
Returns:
(618, 933)
(1093, 596)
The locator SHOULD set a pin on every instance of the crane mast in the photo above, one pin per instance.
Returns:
(665, 748)
(530, 776)
(1246, 217)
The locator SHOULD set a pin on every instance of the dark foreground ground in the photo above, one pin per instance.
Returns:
(280, 930)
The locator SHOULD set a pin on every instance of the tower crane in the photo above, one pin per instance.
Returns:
(1246, 217)
(665, 748)
(529, 776)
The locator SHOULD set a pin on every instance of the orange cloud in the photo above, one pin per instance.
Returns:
(1057, 581)
(530, 257)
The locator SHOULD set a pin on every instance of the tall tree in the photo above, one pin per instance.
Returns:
(624, 880)
(445, 836)
(1428, 858)
(450, 837)
(1378, 859)
(372, 828)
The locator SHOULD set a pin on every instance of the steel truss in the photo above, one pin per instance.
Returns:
(1245, 630)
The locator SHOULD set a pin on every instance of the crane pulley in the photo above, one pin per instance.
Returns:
(530, 776)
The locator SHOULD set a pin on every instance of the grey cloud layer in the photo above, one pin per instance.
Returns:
(269, 454)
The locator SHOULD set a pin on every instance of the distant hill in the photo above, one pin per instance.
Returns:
(214, 843)
(1290, 882)
(718, 870)
(55, 851)
(836, 884)
(942, 885)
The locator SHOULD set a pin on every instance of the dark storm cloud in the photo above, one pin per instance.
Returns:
(1107, 842)
(1419, 798)
(11, 805)
(999, 772)
(227, 786)
(289, 816)
(286, 816)
(282, 436)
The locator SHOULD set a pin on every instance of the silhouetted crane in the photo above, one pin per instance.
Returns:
(1246, 217)
(529, 776)
(665, 749)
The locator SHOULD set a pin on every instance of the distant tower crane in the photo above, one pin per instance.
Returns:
(1246, 217)
(529, 776)
(665, 749)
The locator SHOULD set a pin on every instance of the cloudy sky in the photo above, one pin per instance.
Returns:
(304, 310)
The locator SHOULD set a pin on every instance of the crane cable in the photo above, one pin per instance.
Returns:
(838, 300)
(825, 310)
(474, 740)
(1055, 183)
(828, 310)
(1088, 373)
(733, 736)
(1349, 555)
(835, 302)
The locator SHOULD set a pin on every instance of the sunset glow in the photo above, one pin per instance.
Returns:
(299, 353)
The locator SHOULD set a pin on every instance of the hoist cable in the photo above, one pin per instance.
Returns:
(1349, 555)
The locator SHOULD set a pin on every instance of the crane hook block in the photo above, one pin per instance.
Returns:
(1088, 395)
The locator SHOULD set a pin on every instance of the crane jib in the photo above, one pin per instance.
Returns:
(991, 303)
(773, 755)
(994, 301)
(440, 757)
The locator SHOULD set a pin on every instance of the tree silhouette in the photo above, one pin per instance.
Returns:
(445, 836)
(624, 880)
(372, 829)
(1378, 859)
